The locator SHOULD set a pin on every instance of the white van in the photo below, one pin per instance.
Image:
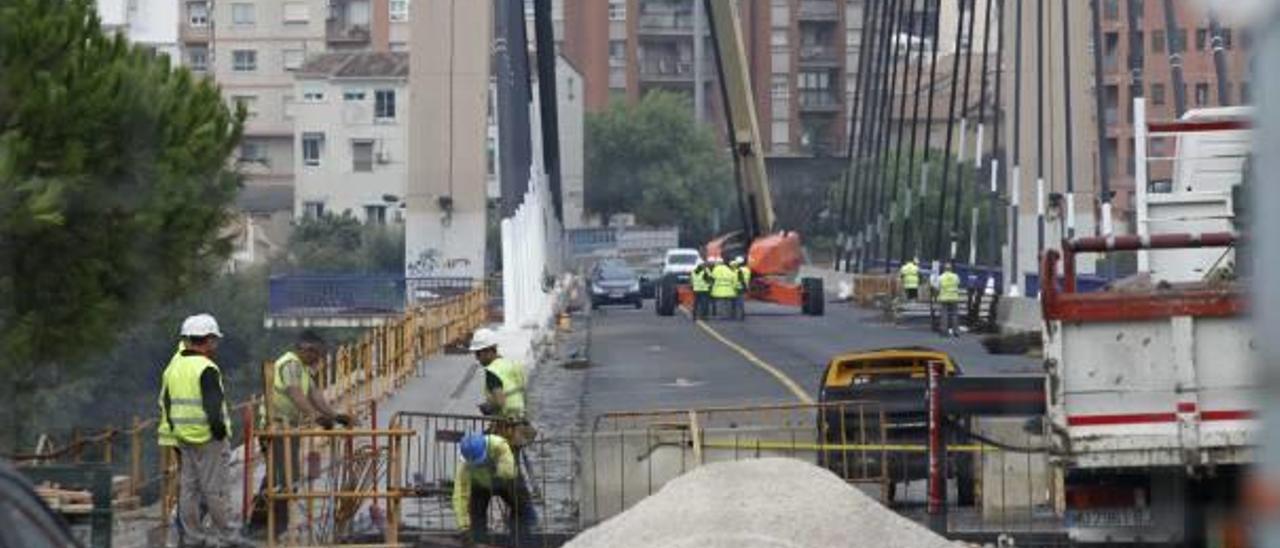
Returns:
(680, 262)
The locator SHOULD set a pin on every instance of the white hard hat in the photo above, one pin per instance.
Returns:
(200, 325)
(739, 260)
(482, 339)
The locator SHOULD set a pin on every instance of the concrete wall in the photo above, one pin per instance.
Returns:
(570, 106)
(342, 122)
(449, 80)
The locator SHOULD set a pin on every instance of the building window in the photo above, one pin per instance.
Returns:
(312, 148)
(244, 60)
(1178, 40)
(198, 58)
(1157, 94)
(362, 156)
(1136, 6)
(1202, 94)
(1111, 99)
(384, 105)
(296, 13)
(1202, 38)
(375, 214)
(618, 50)
(1157, 41)
(293, 59)
(248, 102)
(353, 95)
(253, 151)
(198, 14)
(313, 95)
(399, 10)
(243, 14)
(312, 210)
(617, 10)
(1112, 9)
(1226, 39)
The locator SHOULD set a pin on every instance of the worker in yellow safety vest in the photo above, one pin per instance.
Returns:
(910, 276)
(949, 297)
(488, 469)
(743, 274)
(724, 285)
(504, 390)
(194, 405)
(294, 403)
(700, 282)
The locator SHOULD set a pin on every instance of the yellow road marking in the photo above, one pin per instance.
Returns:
(786, 381)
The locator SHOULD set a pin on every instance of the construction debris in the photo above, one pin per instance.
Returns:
(765, 503)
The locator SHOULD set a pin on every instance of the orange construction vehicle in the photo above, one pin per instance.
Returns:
(773, 255)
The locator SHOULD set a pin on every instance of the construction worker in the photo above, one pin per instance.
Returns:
(194, 405)
(700, 280)
(743, 274)
(488, 469)
(910, 276)
(949, 296)
(504, 389)
(724, 285)
(294, 403)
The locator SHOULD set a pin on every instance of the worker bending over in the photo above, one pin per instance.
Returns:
(949, 296)
(700, 281)
(910, 276)
(724, 285)
(194, 406)
(295, 402)
(488, 469)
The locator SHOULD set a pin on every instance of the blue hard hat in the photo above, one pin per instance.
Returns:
(474, 447)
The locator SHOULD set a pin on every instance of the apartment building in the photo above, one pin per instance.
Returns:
(1136, 61)
(803, 56)
(352, 124)
(152, 24)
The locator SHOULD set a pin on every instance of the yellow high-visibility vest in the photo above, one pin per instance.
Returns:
(698, 280)
(164, 434)
(724, 282)
(949, 287)
(512, 376)
(186, 400)
(910, 274)
(282, 407)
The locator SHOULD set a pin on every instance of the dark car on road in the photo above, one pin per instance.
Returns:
(615, 284)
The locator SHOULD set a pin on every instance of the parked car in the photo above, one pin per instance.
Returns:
(615, 284)
(680, 262)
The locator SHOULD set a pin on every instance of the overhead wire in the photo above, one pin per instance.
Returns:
(902, 122)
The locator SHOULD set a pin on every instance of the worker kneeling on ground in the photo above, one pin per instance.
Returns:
(488, 469)
(724, 285)
(910, 276)
(949, 297)
(194, 406)
(700, 280)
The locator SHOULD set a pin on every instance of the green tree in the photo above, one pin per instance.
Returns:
(652, 159)
(339, 243)
(113, 187)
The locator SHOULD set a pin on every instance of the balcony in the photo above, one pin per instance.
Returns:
(667, 23)
(338, 31)
(818, 10)
(819, 56)
(818, 100)
(194, 33)
(667, 70)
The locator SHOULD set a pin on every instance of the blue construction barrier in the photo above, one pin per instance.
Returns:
(355, 294)
(1084, 284)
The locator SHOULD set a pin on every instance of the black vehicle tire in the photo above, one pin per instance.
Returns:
(666, 302)
(639, 303)
(812, 300)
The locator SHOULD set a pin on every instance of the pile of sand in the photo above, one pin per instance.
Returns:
(762, 503)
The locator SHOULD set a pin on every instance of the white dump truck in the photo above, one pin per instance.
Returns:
(1153, 391)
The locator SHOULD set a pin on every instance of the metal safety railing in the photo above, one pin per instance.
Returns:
(354, 376)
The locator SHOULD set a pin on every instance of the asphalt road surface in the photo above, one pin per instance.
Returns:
(643, 361)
